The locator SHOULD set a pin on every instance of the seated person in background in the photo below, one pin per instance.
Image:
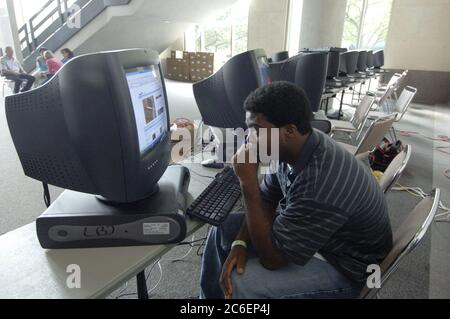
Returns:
(12, 70)
(53, 63)
(67, 54)
(312, 229)
(41, 65)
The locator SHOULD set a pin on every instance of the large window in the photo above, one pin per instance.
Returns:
(226, 36)
(366, 24)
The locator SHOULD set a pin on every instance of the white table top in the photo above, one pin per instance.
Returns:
(29, 272)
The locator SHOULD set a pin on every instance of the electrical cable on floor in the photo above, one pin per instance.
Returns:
(160, 277)
(439, 138)
(186, 255)
(418, 192)
(157, 263)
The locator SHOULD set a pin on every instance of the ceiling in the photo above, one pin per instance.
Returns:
(152, 24)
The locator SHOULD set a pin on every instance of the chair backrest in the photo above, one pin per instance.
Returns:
(383, 102)
(395, 169)
(404, 101)
(407, 238)
(362, 112)
(323, 126)
(401, 80)
(375, 134)
(394, 80)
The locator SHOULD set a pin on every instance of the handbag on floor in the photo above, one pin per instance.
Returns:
(384, 154)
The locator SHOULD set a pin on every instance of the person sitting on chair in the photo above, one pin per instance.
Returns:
(312, 229)
(41, 65)
(12, 70)
(67, 54)
(54, 64)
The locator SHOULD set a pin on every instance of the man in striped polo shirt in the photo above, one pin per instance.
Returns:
(312, 229)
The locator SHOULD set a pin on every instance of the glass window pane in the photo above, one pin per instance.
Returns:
(376, 24)
(218, 40)
(352, 23)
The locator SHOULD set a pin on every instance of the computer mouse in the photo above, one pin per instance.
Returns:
(212, 163)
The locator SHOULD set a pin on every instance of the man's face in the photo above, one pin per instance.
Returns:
(9, 52)
(264, 131)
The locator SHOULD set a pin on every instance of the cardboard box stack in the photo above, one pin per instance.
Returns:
(190, 66)
(201, 65)
(178, 66)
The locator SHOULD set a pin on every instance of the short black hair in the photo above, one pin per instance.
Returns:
(282, 103)
(69, 52)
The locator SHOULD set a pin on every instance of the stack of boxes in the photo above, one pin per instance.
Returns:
(178, 66)
(201, 65)
(190, 66)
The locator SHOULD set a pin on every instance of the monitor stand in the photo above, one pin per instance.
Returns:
(78, 220)
(107, 201)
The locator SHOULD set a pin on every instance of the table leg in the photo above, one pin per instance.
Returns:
(141, 281)
(342, 104)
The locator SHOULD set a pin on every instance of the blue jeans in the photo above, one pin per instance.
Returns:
(316, 280)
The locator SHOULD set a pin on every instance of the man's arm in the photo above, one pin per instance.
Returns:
(259, 221)
(5, 70)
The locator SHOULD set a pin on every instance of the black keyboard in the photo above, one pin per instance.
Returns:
(217, 201)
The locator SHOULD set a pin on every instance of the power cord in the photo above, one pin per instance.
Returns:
(47, 198)
(418, 192)
(192, 244)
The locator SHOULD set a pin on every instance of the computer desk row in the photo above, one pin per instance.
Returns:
(29, 272)
(332, 92)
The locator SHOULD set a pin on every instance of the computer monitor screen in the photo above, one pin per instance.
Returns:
(149, 105)
(264, 69)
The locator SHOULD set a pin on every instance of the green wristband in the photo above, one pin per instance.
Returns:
(239, 243)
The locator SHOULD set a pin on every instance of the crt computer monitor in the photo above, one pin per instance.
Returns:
(349, 62)
(378, 57)
(220, 98)
(264, 68)
(334, 59)
(99, 126)
(362, 61)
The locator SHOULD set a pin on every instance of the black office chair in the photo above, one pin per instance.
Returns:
(311, 75)
(280, 56)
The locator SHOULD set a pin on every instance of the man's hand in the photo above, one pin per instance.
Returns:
(237, 259)
(245, 162)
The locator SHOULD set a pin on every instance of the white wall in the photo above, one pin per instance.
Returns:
(322, 23)
(419, 35)
(267, 25)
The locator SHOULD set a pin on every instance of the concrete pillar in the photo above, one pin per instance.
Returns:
(322, 23)
(14, 30)
(267, 25)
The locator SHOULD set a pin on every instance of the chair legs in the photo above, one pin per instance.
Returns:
(393, 134)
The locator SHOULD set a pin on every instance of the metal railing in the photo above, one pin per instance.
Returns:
(46, 21)
(50, 27)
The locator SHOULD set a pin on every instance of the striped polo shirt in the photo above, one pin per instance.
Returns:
(329, 204)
